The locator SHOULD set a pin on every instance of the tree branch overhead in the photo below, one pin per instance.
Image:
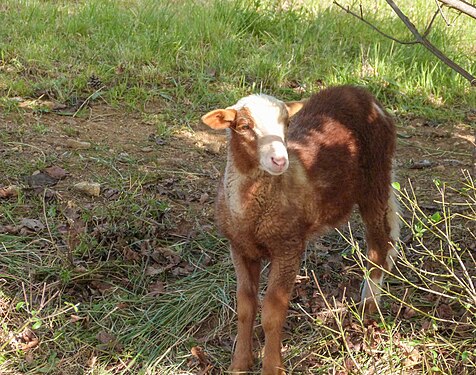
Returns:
(422, 39)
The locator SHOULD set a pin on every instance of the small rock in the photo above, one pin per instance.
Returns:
(90, 188)
(440, 168)
(213, 147)
(77, 145)
(421, 164)
(156, 139)
(147, 149)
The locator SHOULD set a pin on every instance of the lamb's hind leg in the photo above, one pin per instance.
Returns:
(382, 232)
(247, 273)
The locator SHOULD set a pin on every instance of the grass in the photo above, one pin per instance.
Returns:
(130, 282)
(142, 52)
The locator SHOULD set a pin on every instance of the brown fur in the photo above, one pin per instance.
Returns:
(340, 149)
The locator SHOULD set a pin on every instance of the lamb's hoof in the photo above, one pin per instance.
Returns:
(240, 366)
(368, 306)
(273, 370)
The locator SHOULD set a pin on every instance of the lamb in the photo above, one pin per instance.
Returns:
(295, 170)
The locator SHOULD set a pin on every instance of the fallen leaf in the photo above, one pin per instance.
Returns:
(182, 271)
(29, 358)
(56, 172)
(130, 255)
(349, 364)
(40, 180)
(445, 311)
(100, 286)
(204, 198)
(161, 253)
(409, 313)
(199, 354)
(426, 325)
(9, 191)
(32, 224)
(111, 194)
(109, 341)
(155, 270)
(30, 345)
(156, 289)
(105, 337)
(9, 229)
(413, 357)
(75, 318)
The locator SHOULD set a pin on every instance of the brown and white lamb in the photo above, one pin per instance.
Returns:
(295, 170)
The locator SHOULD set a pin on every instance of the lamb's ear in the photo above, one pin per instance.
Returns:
(295, 107)
(219, 118)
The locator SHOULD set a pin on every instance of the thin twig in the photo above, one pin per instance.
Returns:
(441, 12)
(428, 28)
(462, 6)
(86, 101)
(374, 27)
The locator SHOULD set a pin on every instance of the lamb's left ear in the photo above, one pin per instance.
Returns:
(219, 118)
(295, 107)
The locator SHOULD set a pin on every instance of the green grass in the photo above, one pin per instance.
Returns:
(101, 266)
(217, 51)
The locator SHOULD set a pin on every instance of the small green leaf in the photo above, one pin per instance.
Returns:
(73, 306)
(37, 324)
(96, 95)
(437, 182)
(19, 305)
(396, 185)
(436, 217)
(465, 355)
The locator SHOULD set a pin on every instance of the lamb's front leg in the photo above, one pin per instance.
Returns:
(275, 307)
(247, 273)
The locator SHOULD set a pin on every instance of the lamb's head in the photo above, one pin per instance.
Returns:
(261, 120)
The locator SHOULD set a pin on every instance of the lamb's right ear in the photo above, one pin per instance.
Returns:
(219, 118)
(295, 107)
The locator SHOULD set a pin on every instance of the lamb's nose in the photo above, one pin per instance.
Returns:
(279, 161)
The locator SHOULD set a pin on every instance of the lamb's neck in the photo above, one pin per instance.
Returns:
(242, 190)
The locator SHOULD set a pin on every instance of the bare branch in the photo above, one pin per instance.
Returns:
(428, 28)
(360, 17)
(425, 42)
(462, 6)
(441, 12)
(419, 38)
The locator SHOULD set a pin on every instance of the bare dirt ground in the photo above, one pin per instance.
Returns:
(426, 150)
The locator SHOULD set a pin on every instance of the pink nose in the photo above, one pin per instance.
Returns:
(279, 161)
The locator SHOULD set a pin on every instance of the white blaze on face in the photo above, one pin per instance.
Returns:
(269, 115)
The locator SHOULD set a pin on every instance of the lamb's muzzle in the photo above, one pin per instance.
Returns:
(273, 154)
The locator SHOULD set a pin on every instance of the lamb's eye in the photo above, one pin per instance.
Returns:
(243, 125)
